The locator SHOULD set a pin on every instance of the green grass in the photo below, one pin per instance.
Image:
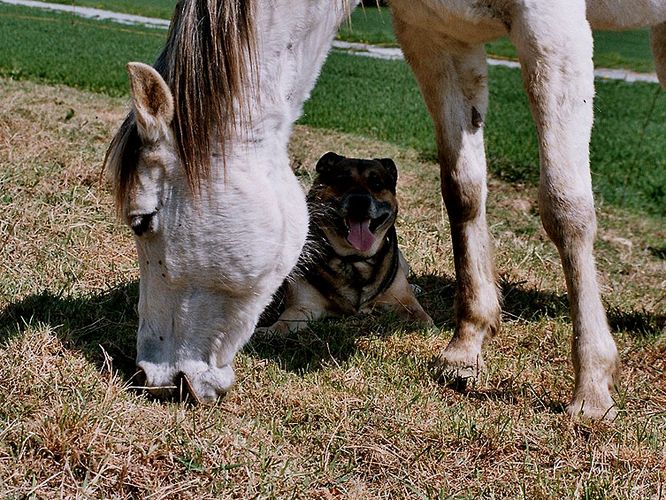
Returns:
(149, 8)
(348, 409)
(348, 99)
(629, 50)
(62, 48)
(612, 49)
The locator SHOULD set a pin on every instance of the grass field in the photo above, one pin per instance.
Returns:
(347, 409)
(149, 8)
(628, 136)
(629, 50)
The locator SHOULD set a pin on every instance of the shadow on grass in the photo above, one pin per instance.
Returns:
(658, 252)
(85, 323)
(329, 342)
(110, 320)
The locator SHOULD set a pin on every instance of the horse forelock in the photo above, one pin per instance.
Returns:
(209, 65)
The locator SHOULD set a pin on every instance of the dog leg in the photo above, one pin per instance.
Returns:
(453, 80)
(304, 304)
(400, 299)
(554, 45)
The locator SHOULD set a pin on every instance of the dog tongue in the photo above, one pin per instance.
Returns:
(360, 236)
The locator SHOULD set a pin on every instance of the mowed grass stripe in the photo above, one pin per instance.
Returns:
(63, 48)
(377, 99)
(628, 49)
(149, 8)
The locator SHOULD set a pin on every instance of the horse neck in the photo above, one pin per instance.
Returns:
(293, 39)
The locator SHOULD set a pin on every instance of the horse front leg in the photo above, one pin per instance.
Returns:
(554, 45)
(453, 81)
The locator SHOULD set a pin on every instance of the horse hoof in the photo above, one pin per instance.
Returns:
(593, 406)
(455, 377)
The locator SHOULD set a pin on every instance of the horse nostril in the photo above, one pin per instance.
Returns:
(141, 223)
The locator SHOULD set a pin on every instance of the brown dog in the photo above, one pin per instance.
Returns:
(352, 263)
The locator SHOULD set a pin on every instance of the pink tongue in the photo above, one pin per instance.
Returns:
(360, 236)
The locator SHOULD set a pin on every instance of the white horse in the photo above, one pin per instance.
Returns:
(203, 178)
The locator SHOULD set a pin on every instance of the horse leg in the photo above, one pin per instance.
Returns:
(554, 44)
(658, 40)
(453, 80)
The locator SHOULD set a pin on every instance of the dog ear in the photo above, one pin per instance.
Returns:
(327, 162)
(391, 169)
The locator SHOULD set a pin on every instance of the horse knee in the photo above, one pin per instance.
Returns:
(464, 195)
(568, 220)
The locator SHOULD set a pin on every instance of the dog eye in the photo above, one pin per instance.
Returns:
(343, 179)
(375, 182)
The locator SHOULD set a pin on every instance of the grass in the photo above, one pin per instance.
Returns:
(628, 136)
(149, 8)
(50, 47)
(629, 50)
(346, 99)
(347, 409)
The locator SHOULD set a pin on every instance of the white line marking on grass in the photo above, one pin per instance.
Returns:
(357, 49)
(90, 13)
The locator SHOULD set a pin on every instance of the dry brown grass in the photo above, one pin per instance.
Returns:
(348, 409)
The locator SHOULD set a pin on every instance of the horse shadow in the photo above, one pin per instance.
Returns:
(92, 324)
(107, 322)
(333, 341)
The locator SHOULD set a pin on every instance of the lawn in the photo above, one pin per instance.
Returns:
(631, 118)
(629, 50)
(347, 409)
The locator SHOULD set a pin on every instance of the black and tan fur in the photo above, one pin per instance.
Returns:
(335, 278)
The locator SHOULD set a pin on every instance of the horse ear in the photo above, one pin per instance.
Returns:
(391, 169)
(152, 99)
(327, 162)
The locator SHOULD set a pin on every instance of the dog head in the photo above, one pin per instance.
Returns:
(353, 201)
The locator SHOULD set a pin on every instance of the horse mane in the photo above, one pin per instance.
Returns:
(208, 63)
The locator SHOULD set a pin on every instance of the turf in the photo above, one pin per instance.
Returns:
(629, 50)
(149, 8)
(348, 409)
(628, 136)
(631, 119)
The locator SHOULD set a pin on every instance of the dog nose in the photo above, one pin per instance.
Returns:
(358, 205)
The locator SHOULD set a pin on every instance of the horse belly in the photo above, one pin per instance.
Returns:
(625, 14)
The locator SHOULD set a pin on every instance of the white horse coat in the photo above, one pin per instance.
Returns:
(212, 251)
